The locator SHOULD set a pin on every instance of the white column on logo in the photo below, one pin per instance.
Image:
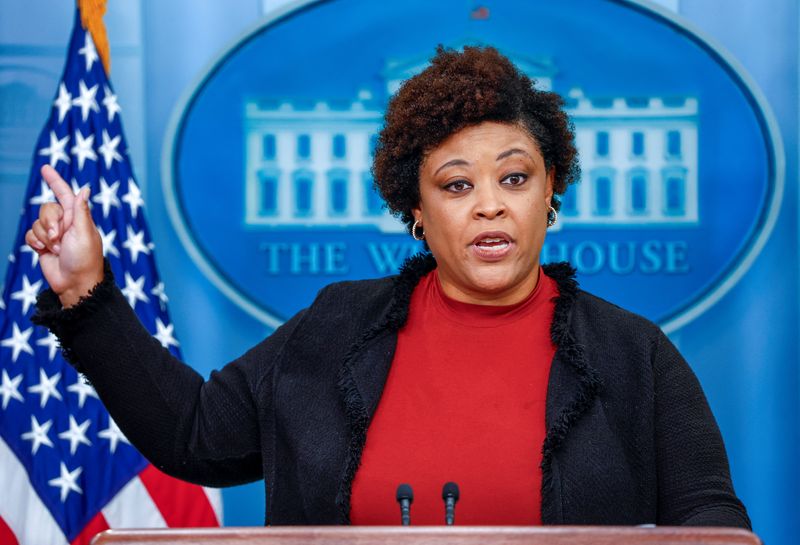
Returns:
(620, 152)
(286, 156)
(253, 196)
(655, 152)
(357, 157)
(321, 151)
(689, 138)
(583, 199)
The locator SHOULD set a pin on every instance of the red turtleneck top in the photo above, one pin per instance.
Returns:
(465, 402)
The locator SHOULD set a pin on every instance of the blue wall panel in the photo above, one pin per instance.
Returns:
(744, 348)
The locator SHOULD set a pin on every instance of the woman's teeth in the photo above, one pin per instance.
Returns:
(493, 242)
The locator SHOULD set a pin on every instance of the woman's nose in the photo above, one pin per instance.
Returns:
(489, 202)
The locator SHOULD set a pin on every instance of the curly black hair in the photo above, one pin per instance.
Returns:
(458, 90)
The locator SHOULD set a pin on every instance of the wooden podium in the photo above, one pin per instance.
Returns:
(433, 535)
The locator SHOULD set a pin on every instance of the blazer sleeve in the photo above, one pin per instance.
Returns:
(206, 432)
(694, 482)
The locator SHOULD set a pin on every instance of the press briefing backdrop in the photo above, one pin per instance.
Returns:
(252, 125)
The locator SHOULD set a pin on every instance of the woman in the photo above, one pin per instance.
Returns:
(474, 364)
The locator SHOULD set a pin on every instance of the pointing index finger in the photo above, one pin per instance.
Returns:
(62, 191)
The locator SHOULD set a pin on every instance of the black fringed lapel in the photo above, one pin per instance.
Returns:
(356, 372)
(572, 388)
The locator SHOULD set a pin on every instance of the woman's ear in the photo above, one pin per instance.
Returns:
(551, 175)
(417, 212)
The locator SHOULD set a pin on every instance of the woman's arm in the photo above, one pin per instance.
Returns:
(694, 482)
(200, 431)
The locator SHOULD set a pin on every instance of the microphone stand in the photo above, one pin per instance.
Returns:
(405, 497)
(450, 495)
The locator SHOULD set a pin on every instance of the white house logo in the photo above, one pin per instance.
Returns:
(310, 167)
(269, 166)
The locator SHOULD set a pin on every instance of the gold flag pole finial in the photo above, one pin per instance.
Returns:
(92, 12)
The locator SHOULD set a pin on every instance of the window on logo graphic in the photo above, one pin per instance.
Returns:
(303, 193)
(268, 147)
(339, 146)
(569, 201)
(602, 102)
(372, 197)
(603, 193)
(602, 144)
(303, 146)
(637, 144)
(637, 192)
(268, 192)
(675, 193)
(673, 144)
(337, 192)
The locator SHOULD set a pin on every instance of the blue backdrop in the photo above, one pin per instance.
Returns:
(174, 82)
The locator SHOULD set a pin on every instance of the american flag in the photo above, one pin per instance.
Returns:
(66, 470)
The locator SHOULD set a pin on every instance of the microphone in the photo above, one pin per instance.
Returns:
(405, 497)
(450, 496)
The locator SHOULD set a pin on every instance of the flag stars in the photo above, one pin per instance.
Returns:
(27, 295)
(113, 434)
(9, 388)
(46, 387)
(82, 390)
(55, 151)
(108, 149)
(86, 100)
(133, 197)
(135, 243)
(18, 342)
(107, 196)
(45, 195)
(38, 434)
(63, 102)
(34, 256)
(82, 149)
(159, 292)
(164, 334)
(76, 434)
(51, 343)
(110, 102)
(88, 51)
(134, 290)
(108, 242)
(67, 481)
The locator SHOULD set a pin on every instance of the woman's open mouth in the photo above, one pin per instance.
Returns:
(492, 245)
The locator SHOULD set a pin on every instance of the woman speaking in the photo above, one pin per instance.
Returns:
(474, 364)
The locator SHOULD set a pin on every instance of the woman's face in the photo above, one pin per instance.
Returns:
(484, 197)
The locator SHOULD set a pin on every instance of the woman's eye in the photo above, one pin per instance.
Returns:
(457, 186)
(515, 179)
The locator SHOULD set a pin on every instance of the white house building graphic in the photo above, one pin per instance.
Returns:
(308, 164)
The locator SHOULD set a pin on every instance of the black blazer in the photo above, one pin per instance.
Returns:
(630, 437)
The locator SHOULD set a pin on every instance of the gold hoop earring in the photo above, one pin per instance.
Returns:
(552, 217)
(414, 231)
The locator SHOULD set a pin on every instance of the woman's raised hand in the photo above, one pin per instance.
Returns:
(65, 237)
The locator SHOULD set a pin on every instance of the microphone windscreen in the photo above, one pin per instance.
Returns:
(450, 490)
(404, 492)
